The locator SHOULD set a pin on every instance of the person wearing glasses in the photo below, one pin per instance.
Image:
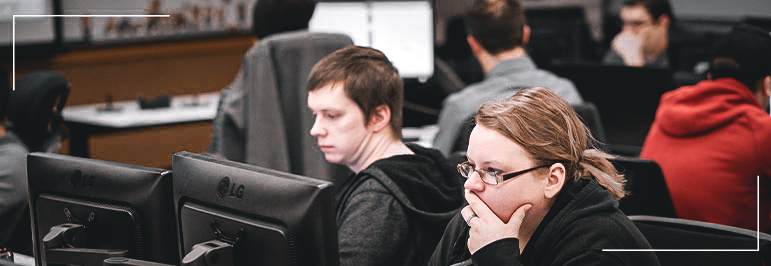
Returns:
(539, 193)
(394, 208)
(644, 37)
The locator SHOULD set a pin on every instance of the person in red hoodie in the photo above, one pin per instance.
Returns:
(713, 139)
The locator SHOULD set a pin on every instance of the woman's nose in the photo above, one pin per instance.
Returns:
(474, 182)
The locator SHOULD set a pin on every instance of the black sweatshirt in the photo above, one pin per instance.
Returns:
(583, 221)
(394, 212)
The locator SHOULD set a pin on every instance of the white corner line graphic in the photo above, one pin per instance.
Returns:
(757, 236)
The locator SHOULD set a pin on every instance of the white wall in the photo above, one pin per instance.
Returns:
(728, 9)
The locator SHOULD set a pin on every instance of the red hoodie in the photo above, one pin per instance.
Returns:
(713, 140)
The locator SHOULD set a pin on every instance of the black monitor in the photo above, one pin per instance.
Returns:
(236, 214)
(626, 97)
(86, 210)
(558, 32)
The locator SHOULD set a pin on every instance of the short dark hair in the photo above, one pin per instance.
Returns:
(743, 54)
(275, 16)
(498, 25)
(368, 77)
(655, 7)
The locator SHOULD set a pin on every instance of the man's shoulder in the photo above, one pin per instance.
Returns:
(12, 145)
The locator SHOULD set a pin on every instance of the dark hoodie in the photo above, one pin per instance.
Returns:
(712, 140)
(583, 221)
(394, 211)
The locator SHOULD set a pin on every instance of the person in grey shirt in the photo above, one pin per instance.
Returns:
(498, 34)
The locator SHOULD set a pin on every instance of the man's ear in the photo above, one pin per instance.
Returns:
(555, 180)
(380, 118)
(767, 86)
(525, 35)
(664, 20)
(476, 48)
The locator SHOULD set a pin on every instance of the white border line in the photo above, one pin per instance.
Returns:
(13, 30)
(757, 236)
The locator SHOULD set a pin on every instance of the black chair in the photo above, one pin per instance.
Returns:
(626, 97)
(589, 114)
(586, 111)
(671, 233)
(648, 192)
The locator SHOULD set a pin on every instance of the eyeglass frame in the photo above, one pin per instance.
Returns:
(498, 178)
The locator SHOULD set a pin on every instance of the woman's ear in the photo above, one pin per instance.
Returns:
(380, 118)
(555, 180)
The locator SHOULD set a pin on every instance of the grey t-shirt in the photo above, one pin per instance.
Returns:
(13, 184)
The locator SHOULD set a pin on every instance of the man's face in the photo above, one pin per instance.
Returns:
(638, 21)
(339, 125)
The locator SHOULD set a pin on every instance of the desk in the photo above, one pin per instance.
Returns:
(83, 121)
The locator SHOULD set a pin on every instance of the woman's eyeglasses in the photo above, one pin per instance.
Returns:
(490, 177)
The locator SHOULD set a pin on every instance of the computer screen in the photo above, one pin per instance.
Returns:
(242, 215)
(403, 30)
(86, 210)
(35, 30)
(626, 97)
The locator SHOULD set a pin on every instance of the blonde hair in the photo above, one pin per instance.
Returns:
(548, 128)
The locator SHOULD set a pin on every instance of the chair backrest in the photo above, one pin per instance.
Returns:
(263, 117)
(589, 114)
(626, 97)
(648, 192)
(672, 233)
(35, 108)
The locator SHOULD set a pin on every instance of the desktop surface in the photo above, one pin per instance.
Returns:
(128, 114)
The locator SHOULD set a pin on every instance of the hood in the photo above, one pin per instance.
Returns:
(426, 184)
(578, 199)
(704, 107)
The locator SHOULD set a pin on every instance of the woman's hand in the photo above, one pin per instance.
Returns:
(486, 227)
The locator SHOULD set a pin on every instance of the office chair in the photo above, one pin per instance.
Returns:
(34, 113)
(586, 111)
(648, 192)
(671, 233)
(590, 116)
(35, 109)
(262, 117)
(626, 97)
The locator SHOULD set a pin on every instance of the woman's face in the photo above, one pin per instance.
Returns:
(490, 150)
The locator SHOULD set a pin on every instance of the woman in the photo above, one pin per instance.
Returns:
(537, 195)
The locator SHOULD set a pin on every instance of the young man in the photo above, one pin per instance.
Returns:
(644, 38)
(498, 34)
(713, 139)
(394, 208)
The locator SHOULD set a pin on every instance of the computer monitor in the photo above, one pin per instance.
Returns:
(35, 31)
(402, 29)
(86, 210)
(238, 214)
(626, 97)
(558, 32)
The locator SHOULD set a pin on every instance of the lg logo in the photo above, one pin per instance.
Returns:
(79, 179)
(226, 188)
